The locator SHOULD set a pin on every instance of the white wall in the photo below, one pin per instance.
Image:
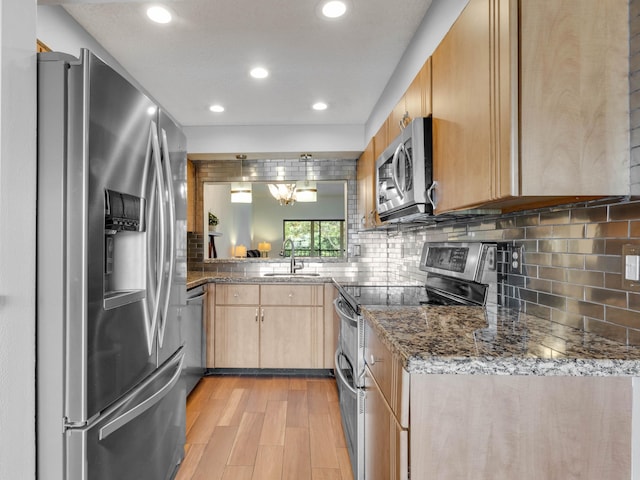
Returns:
(17, 238)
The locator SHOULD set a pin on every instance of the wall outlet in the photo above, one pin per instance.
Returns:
(631, 267)
(514, 258)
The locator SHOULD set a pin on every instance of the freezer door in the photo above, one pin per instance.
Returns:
(140, 438)
(173, 147)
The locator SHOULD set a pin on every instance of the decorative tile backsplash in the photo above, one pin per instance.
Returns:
(572, 265)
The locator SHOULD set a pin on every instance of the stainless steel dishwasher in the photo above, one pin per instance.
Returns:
(193, 335)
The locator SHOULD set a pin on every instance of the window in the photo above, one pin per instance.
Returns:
(315, 238)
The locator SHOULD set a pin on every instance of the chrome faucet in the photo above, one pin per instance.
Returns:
(293, 263)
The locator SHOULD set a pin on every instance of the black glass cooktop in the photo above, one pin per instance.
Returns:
(383, 295)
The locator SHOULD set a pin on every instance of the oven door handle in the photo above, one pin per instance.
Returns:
(341, 376)
(343, 314)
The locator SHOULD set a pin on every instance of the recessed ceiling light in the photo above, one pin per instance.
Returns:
(259, 72)
(159, 14)
(334, 9)
(216, 108)
(319, 106)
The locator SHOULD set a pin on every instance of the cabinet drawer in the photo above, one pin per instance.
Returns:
(388, 373)
(237, 294)
(292, 294)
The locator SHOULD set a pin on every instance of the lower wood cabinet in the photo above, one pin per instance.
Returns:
(269, 326)
(386, 441)
(493, 426)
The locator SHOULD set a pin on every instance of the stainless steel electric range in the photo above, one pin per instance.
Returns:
(457, 273)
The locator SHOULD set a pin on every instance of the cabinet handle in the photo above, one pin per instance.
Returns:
(262, 315)
(290, 295)
(236, 295)
(256, 314)
(375, 360)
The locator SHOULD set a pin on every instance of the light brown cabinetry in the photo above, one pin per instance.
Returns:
(524, 427)
(331, 325)
(210, 324)
(493, 426)
(269, 326)
(386, 419)
(415, 103)
(530, 103)
(191, 196)
(366, 175)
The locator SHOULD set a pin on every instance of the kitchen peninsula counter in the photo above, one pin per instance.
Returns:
(195, 279)
(496, 393)
(495, 341)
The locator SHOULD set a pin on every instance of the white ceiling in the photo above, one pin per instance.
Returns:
(204, 56)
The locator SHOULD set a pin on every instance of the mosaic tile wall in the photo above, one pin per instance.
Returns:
(572, 262)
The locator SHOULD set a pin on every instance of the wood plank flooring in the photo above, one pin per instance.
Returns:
(255, 427)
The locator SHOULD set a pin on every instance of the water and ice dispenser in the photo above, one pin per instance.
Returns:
(125, 254)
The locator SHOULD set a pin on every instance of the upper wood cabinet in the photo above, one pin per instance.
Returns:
(366, 175)
(415, 103)
(530, 103)
(191, 196)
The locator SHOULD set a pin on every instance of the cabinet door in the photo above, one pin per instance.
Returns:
(396, 119)
(236, 337)
(386, 444)
(367, 188)
(211, 324)
(462, 143)
(574, 97)
(291, 337)
(331, 325)
(417, 99)
(191, 196)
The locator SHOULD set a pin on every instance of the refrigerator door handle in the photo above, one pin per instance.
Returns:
(167, 266)
(142, 407)
(152, 188)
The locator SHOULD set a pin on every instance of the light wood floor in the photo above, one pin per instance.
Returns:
(264, 428)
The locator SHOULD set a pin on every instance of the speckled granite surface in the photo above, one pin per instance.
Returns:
(195, 279)
(495, 341)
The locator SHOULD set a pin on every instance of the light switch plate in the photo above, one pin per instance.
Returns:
(631, 267)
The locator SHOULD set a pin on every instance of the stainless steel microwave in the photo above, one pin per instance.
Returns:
(404, 174)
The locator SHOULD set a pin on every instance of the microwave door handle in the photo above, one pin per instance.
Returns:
(394, 171)
(430, 194)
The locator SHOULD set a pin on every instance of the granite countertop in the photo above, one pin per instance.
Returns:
(495, 341)
(195, 279)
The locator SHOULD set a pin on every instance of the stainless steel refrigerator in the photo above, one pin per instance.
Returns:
(111, 275)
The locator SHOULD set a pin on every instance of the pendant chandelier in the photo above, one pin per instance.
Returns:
(307, 190)
(241, 192)
(285, 193)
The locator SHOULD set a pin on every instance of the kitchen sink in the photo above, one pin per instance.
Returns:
(300, 275)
